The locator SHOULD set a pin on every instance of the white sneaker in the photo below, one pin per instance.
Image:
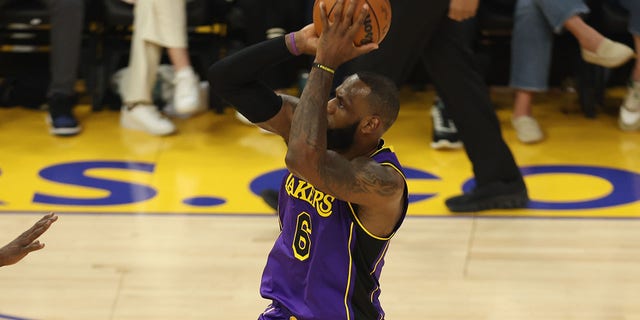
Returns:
(629, 119)
(171, 111)
(186, 96)
(527, 129)
(145, 117)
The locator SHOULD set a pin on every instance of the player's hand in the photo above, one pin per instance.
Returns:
(460, 10)
(25, 243)
(335, 45)
(307, 40)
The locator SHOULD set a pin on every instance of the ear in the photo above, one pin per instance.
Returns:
(370, 124)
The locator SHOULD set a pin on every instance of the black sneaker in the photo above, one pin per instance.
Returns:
(444, 131)
(497, 195)
(60, 118)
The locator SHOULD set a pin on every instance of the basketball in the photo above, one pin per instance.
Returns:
(376, 24)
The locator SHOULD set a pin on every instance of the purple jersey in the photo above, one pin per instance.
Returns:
(325, 264)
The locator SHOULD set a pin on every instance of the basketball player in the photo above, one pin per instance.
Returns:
(345, 195)
(25, 243)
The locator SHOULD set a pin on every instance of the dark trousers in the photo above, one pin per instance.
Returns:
(421, 32)
(67, 18)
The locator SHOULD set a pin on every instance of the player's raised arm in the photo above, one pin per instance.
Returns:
(236, 78)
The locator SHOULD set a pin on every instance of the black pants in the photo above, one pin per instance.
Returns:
(67, 18)
(421, 30)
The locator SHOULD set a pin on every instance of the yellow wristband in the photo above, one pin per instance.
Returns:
(323, 67)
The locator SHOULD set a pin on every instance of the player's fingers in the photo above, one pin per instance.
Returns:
(36, 245)
(338, 9)
(323, 15)
(37, 230)
(362, 16)
(351, 8)
(28, 237)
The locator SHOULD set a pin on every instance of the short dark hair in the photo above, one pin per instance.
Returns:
(383, 99)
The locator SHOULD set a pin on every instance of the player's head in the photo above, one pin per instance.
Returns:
(365, 106)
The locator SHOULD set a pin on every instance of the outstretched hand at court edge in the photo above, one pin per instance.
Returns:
(25, 243)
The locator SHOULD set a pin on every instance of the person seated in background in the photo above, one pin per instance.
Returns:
(67, 18)
(536, 21)
(27, 242)
(157, 24)
(629, 119)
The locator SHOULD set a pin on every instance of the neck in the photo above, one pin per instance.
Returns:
(360, 150)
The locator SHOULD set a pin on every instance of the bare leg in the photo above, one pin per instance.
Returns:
(179, 58)
(522, 103)
(629, 119)
(527, 128)
(635, 75)
(588, 37)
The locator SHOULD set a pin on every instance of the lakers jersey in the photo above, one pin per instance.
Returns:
(325, 264)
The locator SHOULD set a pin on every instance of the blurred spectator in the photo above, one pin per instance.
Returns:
(158, 24)
(67, 18)
(536, 21)
(629, 119)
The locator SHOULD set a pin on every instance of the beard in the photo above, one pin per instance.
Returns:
(340, 139)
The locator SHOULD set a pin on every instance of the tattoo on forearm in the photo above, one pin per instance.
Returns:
(310, 116)
(364, 181)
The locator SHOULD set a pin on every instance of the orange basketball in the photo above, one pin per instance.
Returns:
(376, 24)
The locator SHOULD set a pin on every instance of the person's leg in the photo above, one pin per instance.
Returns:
(629, 119)
(138, 111)
(171, 33)
(596, 48)
(499, 183)
(142, 71)
(635, 75)
(67, 18)
(444, 134)
(531, 51)
(179, 58)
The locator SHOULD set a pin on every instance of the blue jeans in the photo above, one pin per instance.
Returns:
(533, 32)
(633, 6)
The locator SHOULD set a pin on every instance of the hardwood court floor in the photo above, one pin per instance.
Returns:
(160, 254)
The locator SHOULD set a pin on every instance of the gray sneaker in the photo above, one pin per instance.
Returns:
(527, 129)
